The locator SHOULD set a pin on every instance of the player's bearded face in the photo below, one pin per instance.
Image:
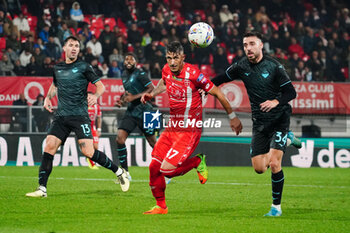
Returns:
(129, 62)
(253, 48)
(72, 49)
(175, 61)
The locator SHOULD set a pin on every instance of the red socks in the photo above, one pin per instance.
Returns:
(157, 183)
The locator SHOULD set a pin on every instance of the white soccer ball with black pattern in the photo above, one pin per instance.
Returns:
(201, 35)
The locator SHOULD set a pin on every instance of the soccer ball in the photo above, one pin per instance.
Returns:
(200, 35)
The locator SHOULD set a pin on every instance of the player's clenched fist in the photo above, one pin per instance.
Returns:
(236, 125)
(146, 97)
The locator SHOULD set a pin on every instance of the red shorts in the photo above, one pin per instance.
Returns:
(176, 147)
(94, 134)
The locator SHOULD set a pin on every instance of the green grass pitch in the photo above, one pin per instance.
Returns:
(233, 200)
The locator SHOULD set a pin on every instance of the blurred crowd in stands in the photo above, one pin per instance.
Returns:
(310, 38)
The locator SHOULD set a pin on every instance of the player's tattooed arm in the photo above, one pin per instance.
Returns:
(50, 94)
(160, 88)
(52, 91)
(235, 122)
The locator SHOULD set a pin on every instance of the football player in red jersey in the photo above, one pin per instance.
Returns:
(170, 156)
(95, 116)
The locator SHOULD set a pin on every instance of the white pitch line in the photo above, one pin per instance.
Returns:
(181, 182)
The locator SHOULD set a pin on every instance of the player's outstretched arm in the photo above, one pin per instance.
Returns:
(50, 94)
(235, 122)
(220, 79)
(100, 88)
(160, 88)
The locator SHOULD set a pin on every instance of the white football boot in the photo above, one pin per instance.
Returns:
(39, 192)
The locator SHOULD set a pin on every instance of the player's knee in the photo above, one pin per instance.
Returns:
(120, 140)
(88, 152)
(50, 147)
(167, 172)
(275, 165)
(259, 170)
(154, 167)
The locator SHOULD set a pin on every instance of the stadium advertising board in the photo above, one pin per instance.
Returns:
(26, 150)
(313, 98)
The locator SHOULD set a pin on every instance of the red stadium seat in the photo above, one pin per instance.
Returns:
(230, 57)
(345, 71)
(97, 23)
(222, 44)
(207, 71)
(24, 10)
(201, 13)
(87, 19)
(32, 21)
(124, 32)
(305, 58)
(73, 31)
(5, 116)
(96, 32)
(2, 43)
(211, 59)
(274, 25)
(120, 24)
(130, 48)
(111, 22)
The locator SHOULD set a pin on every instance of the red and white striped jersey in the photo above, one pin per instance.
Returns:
(94, 111)
(184, 99)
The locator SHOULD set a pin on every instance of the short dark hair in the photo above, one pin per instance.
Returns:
(131, 54)
(253, 33)
(174, 47)
(71, 38)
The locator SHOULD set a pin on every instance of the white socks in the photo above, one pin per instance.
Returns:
(119, 171)
(42, 188)
(278, 207)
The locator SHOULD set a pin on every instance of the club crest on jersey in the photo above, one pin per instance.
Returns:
(187, 82)
(265, 74)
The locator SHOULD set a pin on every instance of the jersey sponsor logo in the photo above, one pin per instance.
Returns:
(265, 74)
(200, 77)
(207, 86)
(176, 78)
(74, 70)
